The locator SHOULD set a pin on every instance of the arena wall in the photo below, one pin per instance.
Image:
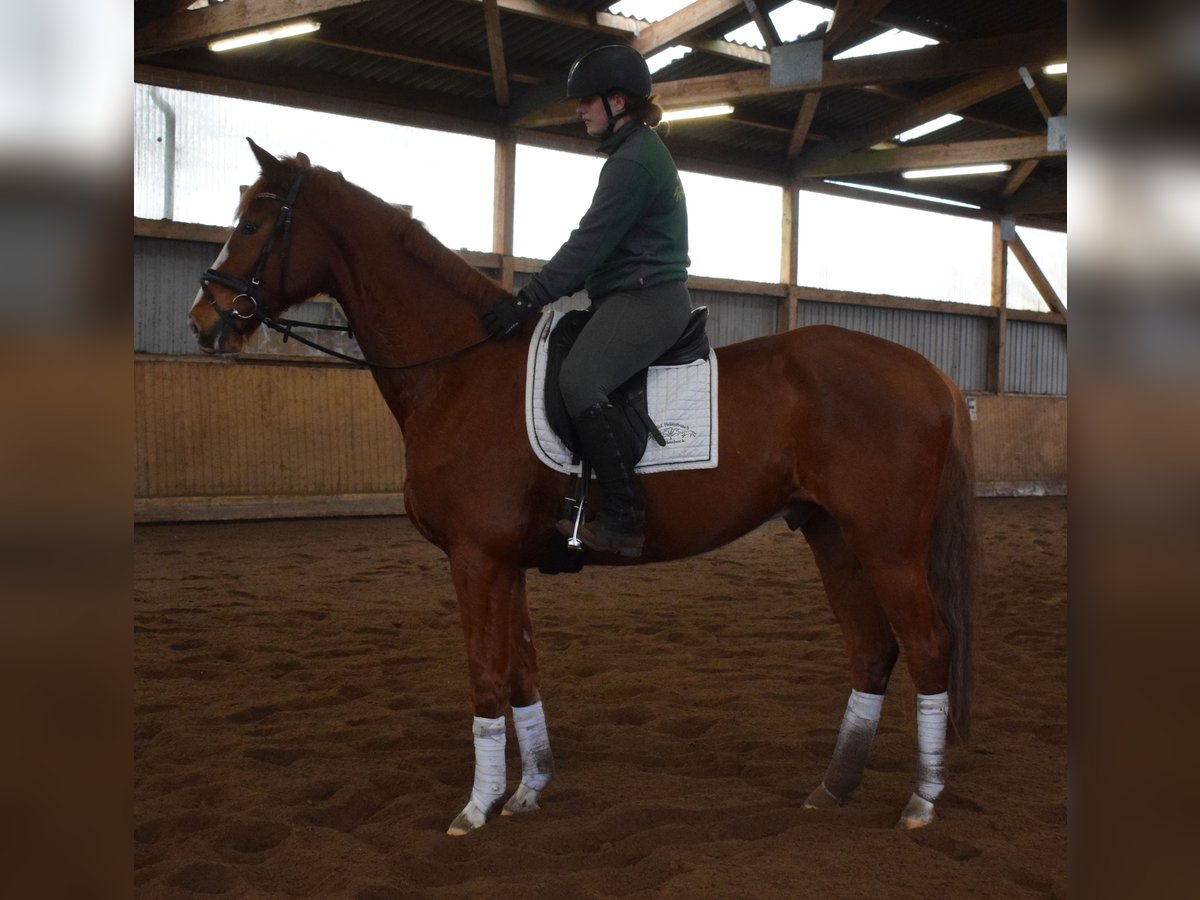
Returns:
(283, 432)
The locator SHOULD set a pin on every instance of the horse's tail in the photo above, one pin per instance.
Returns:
(954, 565)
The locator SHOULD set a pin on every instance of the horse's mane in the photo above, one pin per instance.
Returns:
(457, 274)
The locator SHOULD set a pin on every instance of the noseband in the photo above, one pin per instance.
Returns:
(249, 289)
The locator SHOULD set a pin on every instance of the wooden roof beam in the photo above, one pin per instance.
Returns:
(800, 132)
(762, 20)
(1035, 93)
(731, 50)
(685, 23)
(1018, 177)
(901, 96)
(932, 155)
(904, 65)
(606, 23)
(1032, 48)
(1036, 275)
(962, 95)
(191, 27)
(599, 21)
(403, 53)
(495, 40)
(850, 17)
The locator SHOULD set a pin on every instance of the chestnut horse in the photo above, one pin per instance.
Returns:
(859, 443)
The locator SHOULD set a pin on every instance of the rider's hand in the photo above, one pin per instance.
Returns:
(506, 316)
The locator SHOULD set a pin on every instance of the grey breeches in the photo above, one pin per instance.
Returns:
(627, 332)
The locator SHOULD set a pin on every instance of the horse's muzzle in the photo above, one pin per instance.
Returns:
(211, 331)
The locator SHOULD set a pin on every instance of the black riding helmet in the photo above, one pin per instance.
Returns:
(615, 67)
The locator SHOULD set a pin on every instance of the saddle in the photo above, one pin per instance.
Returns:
(630, 397)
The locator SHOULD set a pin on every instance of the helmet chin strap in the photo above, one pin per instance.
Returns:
(612, 120)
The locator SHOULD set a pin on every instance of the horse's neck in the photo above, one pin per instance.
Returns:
(403, 308)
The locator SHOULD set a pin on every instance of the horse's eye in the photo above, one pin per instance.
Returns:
(249, 227)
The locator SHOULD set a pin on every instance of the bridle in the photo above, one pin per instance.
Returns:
(248, 289)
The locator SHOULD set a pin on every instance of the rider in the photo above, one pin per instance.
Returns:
(630, 252)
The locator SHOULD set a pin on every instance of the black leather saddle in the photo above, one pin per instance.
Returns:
(631, 396)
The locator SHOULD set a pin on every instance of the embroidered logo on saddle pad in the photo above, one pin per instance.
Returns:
(681, 400)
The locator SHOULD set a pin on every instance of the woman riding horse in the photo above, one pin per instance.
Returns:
(630, 251)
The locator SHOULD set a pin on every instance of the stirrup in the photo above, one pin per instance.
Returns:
(571, 510)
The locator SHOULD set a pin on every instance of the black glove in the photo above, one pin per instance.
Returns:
(506, 316)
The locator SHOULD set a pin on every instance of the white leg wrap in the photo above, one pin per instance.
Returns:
(932, 713)
(489, 762)
(537, 762)
(855, 737)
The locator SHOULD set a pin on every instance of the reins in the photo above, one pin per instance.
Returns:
(232, 318)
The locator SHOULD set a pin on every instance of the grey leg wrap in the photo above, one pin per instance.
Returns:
(855, 737)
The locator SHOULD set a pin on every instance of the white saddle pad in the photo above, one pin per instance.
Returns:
(681, 400)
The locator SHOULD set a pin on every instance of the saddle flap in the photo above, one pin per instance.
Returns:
(630, 397)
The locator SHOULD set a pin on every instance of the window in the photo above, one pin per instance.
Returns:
(858, 245)
(191, 158)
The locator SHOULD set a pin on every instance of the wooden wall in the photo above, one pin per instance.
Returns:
(1020, 444)
(217, 439)
(223, 439)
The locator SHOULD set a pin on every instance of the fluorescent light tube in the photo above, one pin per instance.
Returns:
(928, 127)
(305, 26)
(984, 169)
(1055, 69)
(697, 112)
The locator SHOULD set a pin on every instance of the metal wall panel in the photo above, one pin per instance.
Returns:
(955, 344)
(166, 272)
(1035, 360)
(737, 317)
(166, 277)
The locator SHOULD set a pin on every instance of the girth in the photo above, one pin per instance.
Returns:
(631, 396)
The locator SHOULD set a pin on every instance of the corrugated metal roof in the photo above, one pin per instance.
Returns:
(432, 56)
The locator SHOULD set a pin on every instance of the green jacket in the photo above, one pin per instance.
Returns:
(634, 234)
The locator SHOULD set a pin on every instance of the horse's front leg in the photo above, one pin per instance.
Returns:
(491, 599)
(529, 720)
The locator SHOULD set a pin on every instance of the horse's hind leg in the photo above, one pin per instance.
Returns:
(872, 650)
(902, 585)
(529, 720)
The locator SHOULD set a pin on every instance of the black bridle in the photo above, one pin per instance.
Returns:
(248, 289)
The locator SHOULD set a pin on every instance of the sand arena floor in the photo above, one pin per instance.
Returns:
(302, 725)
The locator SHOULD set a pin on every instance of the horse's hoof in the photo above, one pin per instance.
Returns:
(820, 798)
(917, 814)
(524, 799)
(470, 819)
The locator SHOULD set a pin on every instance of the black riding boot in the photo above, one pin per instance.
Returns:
(620, 525)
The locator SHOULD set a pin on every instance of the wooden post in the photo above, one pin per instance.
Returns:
(504, 204)
(998, 327)
(789, 260)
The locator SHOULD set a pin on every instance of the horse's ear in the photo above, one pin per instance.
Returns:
(302, 158)
(268, 162)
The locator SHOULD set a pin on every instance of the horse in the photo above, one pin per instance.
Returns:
(858, 443)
